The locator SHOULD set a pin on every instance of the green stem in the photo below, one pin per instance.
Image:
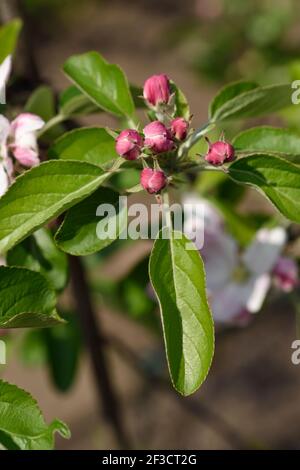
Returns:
(132, 122)
(52, 123)
(197, 135)
(116, 165)
(221, 169)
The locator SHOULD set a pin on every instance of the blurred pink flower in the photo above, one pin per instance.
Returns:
(237, 283)
(286, 275)
(24, 141)
(17, 139)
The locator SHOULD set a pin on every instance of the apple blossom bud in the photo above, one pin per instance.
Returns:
(157, 90)
(26, 156)
(153, 180)
(219, 152)
(286, 274)
(129, 144)
(24, 138)
(157, 137)
(179, 128)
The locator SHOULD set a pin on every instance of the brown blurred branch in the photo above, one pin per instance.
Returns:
(198, 409)
(96, 346)
(8, 10)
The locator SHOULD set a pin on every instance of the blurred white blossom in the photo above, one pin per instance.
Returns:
(237, 283)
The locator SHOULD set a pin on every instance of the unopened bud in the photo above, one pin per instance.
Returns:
(129, 144)
(157, 137)
(219, 152)
(179, 128)
(157, 90)
(153, 181)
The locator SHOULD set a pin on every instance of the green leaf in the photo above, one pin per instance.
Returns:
(42, 103)
(178, 278)
(132, 297)
(73, 102)
(26, 299)
(9, 34)
(276, 178)
(92, 144)
(227, 93)
(125, 179)
(63, 345)
(256, 102)
(40, 253)
(135, 189)
(181, 103)
(41, 194)
(222, 188)
(267, 139)
(33, 349)
(137, 95)
(21, 420)
(105, 84)
(79, 233)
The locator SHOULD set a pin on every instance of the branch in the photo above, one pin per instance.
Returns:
(96, 346)
(196, 408)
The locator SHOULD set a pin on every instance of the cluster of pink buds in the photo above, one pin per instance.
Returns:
(156, 138)
(219, 152)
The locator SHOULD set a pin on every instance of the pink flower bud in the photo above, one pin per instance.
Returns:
(286, 274)
(129, 144)
(26, 156)
(179, 128)
(157, 90)
(24, 134)
(153, 180)
(157, 137)
(219, 152)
